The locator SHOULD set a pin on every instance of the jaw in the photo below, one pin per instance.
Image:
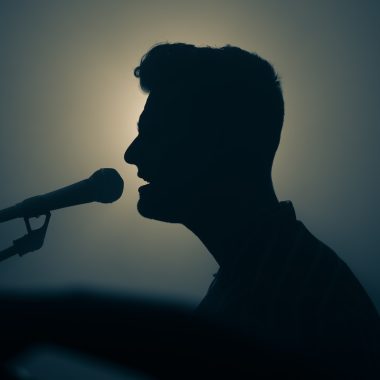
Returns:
(162, 208)
(175, 198)
(170, 202)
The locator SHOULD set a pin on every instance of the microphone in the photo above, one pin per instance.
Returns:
(104, 186)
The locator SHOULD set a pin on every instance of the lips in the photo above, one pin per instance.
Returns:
(158, 182)
(144, 177)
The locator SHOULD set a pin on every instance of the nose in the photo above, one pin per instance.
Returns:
(130, 153)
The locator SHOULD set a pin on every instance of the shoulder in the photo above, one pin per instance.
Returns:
(329, 274)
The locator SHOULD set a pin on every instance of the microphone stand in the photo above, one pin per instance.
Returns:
(30, 242)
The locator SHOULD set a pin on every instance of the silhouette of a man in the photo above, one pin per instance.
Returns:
(207, 138)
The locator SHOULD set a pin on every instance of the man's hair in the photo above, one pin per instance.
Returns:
(230, 88)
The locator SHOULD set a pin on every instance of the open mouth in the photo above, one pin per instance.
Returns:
(161, 184)
(147, 184)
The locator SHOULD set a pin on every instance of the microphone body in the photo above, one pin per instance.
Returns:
(104, 186)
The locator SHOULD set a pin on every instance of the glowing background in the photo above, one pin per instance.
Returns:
(69, 105)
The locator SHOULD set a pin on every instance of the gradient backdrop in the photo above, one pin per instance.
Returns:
(69, 105)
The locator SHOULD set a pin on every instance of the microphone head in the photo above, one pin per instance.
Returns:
(107, 185)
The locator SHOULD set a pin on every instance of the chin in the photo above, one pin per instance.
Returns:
(159, 205)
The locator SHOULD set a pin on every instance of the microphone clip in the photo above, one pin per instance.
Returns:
(30, 242)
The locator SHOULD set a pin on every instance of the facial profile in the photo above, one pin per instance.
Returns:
(169, 155)
(210, 113)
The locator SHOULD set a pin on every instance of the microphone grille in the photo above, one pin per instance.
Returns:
(107, 185)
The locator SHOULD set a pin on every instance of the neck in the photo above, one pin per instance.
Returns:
(223, 219)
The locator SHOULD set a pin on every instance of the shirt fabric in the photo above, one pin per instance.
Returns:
(288, 290)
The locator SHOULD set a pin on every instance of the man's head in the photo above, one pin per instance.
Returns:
(213, 116)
